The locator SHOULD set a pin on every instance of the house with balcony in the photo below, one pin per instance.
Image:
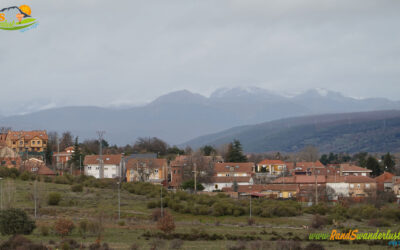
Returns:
(272, 167)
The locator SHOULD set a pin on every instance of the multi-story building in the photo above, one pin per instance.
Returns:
(113, 165)
(272, 167)
(27, 141)
(147, 170)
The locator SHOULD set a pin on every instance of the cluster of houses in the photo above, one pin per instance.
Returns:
(304, 181)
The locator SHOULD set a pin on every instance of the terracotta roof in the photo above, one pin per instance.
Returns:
(151, 163)
(385, 177)
(301, 179)
(230, 179)
(271, 162)
(245, 167)
(107, 159)
(348, 167)
(309, 164)
(358, 179)
(27, 135)
(280, 187)
(43, 170)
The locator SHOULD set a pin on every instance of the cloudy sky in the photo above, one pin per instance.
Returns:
(98, 52)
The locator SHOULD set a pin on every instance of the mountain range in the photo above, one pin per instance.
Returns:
(180, 116)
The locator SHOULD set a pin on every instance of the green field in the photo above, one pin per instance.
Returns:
(136, 220)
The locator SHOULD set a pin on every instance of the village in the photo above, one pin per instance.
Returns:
(307, 182)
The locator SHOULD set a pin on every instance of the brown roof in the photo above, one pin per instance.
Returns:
(246, 167)
(359, 179)
(107, 159)
(43, 170)
(385, 177)
(149, 162)
(27, 135)
(230, 179)
(271, 162)
(301, 179)
(348, 167)
(280, 187)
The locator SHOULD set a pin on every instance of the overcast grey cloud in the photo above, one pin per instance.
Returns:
(98, 52)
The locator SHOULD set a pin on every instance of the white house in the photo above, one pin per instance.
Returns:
(113, 165)
(227, 173)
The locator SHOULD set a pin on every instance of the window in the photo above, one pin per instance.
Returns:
(346, 174)
(21, 143)
(367, 185)
(155, 170)
(38, 142)
(351, 185)
(358, 185)
(3, 162)
(14, 162)
(216, 186)
(33, 142)
(174, 171)
(355, 174)
(364, 174)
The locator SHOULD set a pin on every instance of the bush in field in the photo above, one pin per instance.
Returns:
(391, 213)
(63, 227)
(319, 221)
(20, 242)
(15, 221)
(48, 179)
(166, 223)
(314, 246)
(320, 208)
(25, 176)
(77, 188)
(61, 180)
(44, 230)
(53, 199)
(176, 244)
(288, 245)
(378, 223)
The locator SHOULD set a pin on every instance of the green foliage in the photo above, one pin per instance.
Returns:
(62, 179)
(54, 199)
(76, 158)
(175, 151)
(373, 164)
(190, 185)
(15, 221)
(9, 172)
(208, 150)
(388, 163)
(25, 176)
(235, 152)
(77, 188)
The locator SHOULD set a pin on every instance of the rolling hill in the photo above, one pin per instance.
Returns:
(377, 131)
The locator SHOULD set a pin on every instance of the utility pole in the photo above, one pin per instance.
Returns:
(316, 185)
(35, 195)
(119, 186)
(195, 178)
(162, 212)
(58, 152)
(80, 164)
(100, 134)
(251, 188)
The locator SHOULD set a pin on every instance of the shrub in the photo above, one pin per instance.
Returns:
(288, 245)
(61, 179)
(378, 223)
(121, 223)
(166, 223)
(83, 228)
(48, 179)
(15, 221)
(319, 221)
(314, 246)
(54, 198)
(156, 214)
(20, 242)
(251, 221)
(77, 188)
(44, 230)
(260, 245)
(176, 244)
(63, 226)
(25, 176)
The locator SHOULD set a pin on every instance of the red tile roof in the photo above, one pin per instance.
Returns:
(27, 135)
(385, 177)
(358, 179)
(348, 167)
(301, 179)
(245, 167)
(107, 159)
(271, 162)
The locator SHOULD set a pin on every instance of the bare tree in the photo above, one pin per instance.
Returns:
(309, 153)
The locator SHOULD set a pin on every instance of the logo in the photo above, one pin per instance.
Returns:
(16, 18)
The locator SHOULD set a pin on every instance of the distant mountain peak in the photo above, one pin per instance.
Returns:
(180, 96)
